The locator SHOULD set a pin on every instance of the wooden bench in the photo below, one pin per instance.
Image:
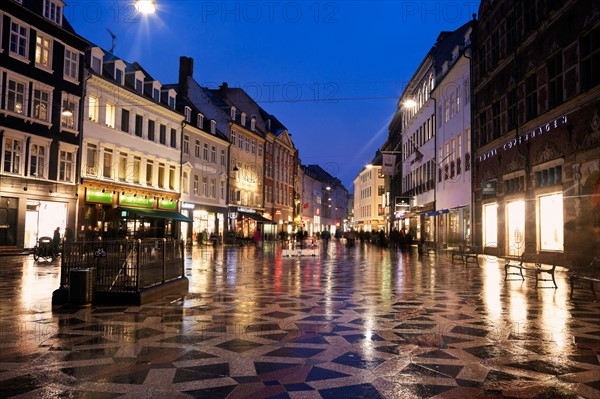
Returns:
(591, 275)
(466, 253)
(529, 262)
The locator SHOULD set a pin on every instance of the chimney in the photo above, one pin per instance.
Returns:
(186, 70)
(224, 86)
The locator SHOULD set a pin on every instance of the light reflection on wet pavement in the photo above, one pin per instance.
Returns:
(360, 322)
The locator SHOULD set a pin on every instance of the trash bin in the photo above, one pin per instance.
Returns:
(81, 286)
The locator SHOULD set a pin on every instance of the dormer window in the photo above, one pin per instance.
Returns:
(156, 91)
(139, 86)
(243, 119)
(200, 121)
(96, 56)
(172, 96)
(233, 113)
(119, 76)
(53, 10)
(188, 114)
(213, 127)
(253, 123)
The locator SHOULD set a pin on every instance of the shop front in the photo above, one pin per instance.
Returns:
(116, 215)
(208, 221)
(244, 221)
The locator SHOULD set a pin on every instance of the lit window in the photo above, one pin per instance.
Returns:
(110, 115)
(490, 220)
(93, 108)
(65, 168)
(43, 51)
(16, 97)
(551, 226)
(41, 104)
(37, 160)
(69, 121)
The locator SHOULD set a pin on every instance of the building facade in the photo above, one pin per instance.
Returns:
(453, 141)
(369, 194)
(537, 129)
(131, 142)
(41, 86)
(204, 161)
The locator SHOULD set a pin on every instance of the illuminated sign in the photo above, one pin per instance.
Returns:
(523, 138)
(135, 200)
(167, 204)
(488, 187)
(187, 205)
(105, 197)
(247, 210)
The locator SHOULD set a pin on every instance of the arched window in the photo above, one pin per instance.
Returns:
(431, 82)
(426, 91)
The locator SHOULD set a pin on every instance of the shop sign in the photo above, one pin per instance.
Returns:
(247, 210)
(187, 205)
(167, 204)
(98, 196)
(527, 136)
(136, 200)
(488, 187)
(232, 215)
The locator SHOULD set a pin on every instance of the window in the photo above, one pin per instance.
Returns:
(19, 37)
(43, 51)
(213, 188)
(490, 221)
(205, 186)
(65, 167)
(188, 114)
(222, 157)
(149, 172)
(483, 138)
(515, 220)
(247, 144)
(119, 76)
(222, 189)
(196, 184)
(260, 150)
(205, 152)
(12, 155)
(123, 166)
(253, 147)
(233, 113)
(184, 183)
(110, 115)
(233, 137)
(91, 159)
(97, 64)
(163, 135)
(511, 30)
(93, 108)
(186, 144)
(213, 127)
(139, 86)
(172, 177)
(511, 106)
(253, 123)
(171, 102)
(139, 125)
(495, 47)
(156, 95)
(240, 142)
(107, 163)
(53, 11)
(161, 175)
(589, 53)
(37, 160)
(549, 176)
(69, 121)
(200, 121)
(197, 149)
(16, 97)
(151, 129)
(137, 165)
(173, 140)
(555, 80)
(213, 154)
(125, 120)
(531, 109)
(551, 223)
(496, 120)
(243, 119)
(41, 104)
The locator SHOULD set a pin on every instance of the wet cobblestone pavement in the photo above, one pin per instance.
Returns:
(360, 322)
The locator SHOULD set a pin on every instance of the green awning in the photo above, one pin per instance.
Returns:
(156, 214)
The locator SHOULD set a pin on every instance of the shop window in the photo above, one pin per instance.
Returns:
(515, 218)
(551, 222)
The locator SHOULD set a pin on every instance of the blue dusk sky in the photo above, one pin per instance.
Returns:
(330, 71)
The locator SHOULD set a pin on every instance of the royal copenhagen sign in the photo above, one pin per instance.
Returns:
(541, 130)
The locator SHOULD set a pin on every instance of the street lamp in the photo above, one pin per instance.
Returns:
(145, 6)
